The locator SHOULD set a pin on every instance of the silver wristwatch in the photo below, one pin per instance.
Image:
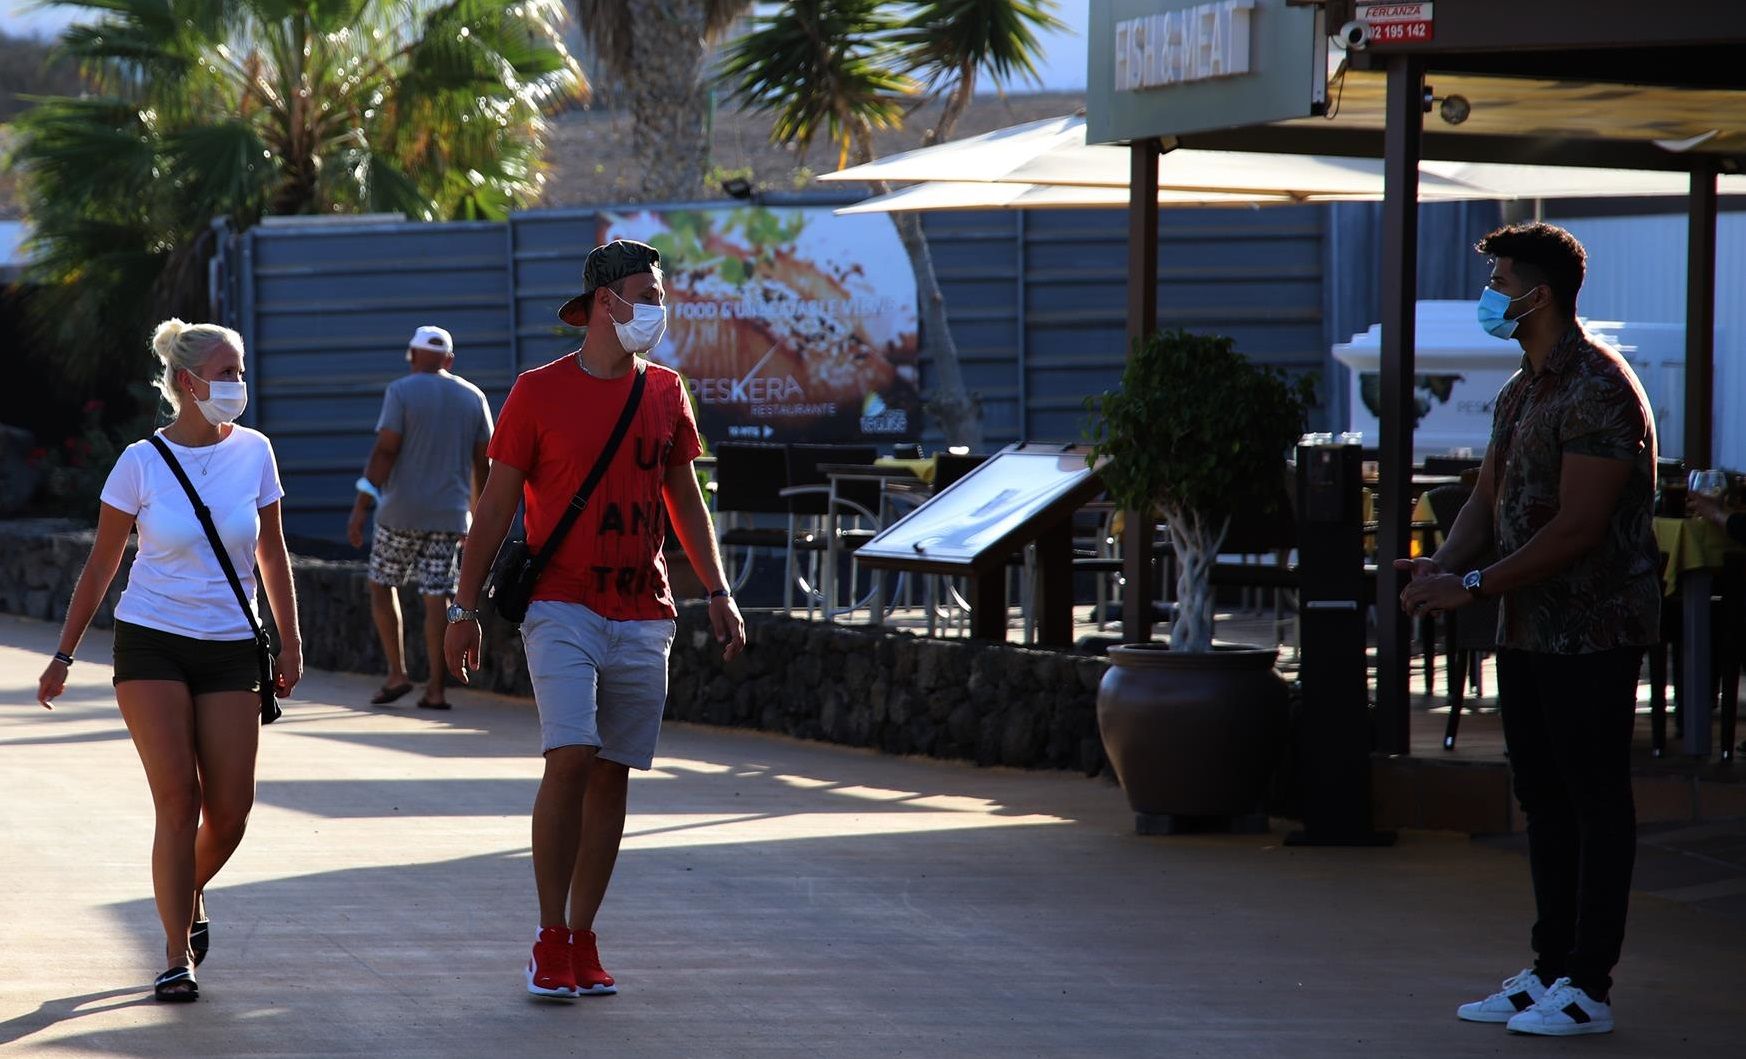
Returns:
(459, 613)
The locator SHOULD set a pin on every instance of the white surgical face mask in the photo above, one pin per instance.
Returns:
(225, 403)
(647, 324)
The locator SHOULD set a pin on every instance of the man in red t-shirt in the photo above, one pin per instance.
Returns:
(601, 625)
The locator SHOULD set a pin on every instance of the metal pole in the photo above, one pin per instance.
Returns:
(512, 282)
(1142, 321)
(1022, 323)
(1700, 317)
(1400, 256)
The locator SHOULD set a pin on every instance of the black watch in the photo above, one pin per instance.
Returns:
(1473, 583)
(721, 593)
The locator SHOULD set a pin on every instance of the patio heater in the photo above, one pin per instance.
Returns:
(1334, 733)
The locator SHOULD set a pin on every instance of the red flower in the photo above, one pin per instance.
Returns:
(93, 406)
(71, 444)
(37, 455)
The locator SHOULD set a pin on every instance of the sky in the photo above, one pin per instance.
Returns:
(1062, 68)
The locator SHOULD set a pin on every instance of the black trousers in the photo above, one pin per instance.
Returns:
(1567, 724)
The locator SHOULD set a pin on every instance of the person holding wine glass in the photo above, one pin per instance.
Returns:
(1705, 500)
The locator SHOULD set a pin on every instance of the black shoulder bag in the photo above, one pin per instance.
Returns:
(517, 569)
(263, 645)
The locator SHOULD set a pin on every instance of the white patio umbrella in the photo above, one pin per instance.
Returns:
(970, 195)
(1053, 152)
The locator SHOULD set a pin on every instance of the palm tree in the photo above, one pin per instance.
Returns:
(845, 68)
(655, 53)
(434, 109)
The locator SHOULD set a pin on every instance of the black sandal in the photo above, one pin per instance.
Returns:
(390, 694)
(176, 986)
(200, 939)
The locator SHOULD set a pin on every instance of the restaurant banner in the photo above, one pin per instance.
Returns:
(789, 324)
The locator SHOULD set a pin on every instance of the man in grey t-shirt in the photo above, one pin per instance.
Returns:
(423, 476)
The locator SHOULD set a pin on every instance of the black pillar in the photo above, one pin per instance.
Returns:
(1700, 316)
(1142, 321)
(1400, 257)
(1053, 601)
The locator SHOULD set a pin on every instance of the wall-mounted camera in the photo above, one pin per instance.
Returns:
(1354, 35)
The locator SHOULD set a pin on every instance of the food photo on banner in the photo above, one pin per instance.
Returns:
(790, 324)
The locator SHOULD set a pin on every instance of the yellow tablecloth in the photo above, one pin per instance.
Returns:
(923, 469)
(1690, 544)
(1422, 513)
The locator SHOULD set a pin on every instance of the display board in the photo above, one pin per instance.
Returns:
(790, 325)
(989, 513)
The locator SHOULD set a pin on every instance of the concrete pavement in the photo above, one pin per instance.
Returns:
(774, 898)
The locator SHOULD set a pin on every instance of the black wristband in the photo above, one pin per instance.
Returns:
(721, 593)
(64, 658)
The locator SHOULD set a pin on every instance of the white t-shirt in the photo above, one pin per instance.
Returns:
(177, 585)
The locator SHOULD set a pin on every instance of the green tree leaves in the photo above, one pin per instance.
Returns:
(434, 109)
(1200, 434)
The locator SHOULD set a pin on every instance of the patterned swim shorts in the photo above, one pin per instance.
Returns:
(432, 558)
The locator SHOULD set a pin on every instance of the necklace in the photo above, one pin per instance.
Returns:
(586, 370)
(211, 452)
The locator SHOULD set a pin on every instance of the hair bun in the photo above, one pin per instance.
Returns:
(165, 336)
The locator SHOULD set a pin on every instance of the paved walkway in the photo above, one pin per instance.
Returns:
(775, 898)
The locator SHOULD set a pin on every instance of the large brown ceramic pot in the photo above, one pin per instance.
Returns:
(1192, 735)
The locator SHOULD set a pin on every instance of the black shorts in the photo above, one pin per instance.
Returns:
(206, 666)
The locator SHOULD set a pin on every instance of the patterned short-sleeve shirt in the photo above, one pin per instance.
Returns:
(1586, 401)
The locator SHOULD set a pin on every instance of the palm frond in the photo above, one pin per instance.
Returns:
(820, 66)
(943, 38)
(430, 108)
(85, 151)
(225, 167)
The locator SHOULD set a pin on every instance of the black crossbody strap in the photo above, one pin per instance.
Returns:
(580, 500)
(205, 516)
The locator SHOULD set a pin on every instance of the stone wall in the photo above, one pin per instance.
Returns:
(902, 694)
(40, 562)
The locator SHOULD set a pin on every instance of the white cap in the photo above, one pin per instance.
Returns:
(433, 338)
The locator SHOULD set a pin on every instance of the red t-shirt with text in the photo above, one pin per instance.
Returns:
(553, 427)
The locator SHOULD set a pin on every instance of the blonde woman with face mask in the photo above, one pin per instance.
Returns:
(187, 671)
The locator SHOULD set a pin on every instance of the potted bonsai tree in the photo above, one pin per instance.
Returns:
(1197, 435)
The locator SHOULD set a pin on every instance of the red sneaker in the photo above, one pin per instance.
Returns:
(548, 969)
(591, 979)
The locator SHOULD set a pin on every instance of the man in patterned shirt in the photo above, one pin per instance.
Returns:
(1563, 507)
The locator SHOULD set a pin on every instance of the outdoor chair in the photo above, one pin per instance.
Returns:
(950, 467)
(1450, 465)
(1728, 628)
(748, 482)
(1469, 634)
(1262, 541)
(812, 523)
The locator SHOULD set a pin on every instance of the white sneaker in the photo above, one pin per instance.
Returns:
(1565, 1011)
(1517, 995)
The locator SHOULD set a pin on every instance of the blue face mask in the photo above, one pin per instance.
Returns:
(1493, 305)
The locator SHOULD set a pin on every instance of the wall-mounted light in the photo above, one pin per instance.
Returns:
(1454, 109)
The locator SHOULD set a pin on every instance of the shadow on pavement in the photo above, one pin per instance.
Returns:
(53, 1012)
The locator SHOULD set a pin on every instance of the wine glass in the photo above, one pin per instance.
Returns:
(1711, 483)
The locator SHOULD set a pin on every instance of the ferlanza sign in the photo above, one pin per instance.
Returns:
(1198, 43)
